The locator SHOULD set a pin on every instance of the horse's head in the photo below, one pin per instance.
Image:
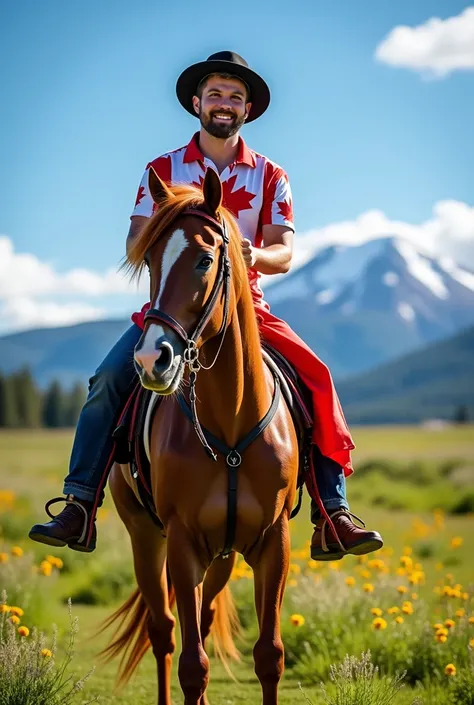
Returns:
(185, 245)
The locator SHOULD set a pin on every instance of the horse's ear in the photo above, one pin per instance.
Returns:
(212, 190)
(158, 189)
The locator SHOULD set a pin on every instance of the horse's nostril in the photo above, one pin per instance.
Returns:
(165, 358)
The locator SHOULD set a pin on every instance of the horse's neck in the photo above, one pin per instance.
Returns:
(234, 394)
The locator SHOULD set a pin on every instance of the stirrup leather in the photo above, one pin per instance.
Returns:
(69, 500)
(324, 526)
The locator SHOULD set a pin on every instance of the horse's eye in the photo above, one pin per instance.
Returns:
(205, 262)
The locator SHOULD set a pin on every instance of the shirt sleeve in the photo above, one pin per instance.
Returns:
(143, 202)
(277, 208)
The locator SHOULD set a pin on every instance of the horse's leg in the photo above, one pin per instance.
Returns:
(215, 581)
(270, 567)
(187, 574)
(149, 556)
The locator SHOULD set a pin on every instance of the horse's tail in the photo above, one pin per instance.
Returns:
(225, 627)
(131, 639)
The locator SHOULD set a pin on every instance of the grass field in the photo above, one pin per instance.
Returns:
(428, 469)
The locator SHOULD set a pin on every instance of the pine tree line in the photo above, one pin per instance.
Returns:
(24, 405)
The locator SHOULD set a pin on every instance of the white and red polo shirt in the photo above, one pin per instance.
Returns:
(255, 190)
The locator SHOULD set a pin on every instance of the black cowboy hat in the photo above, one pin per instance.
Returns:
(223, 62)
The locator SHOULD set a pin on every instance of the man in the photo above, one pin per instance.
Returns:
(224, 93)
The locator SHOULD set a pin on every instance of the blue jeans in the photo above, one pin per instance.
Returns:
(331, 485)
(109, 389)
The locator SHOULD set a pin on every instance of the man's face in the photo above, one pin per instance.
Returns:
(222, 108)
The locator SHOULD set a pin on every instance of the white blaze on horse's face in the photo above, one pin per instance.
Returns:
(155, 340)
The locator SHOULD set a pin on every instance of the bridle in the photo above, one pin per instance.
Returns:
(191, 351)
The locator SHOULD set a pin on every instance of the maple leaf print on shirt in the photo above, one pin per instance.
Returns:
(236, 201)
(285, 210)
(140, 195)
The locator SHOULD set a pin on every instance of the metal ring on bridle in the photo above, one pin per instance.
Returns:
(191, 356)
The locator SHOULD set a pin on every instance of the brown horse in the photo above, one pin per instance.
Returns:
(201, 343)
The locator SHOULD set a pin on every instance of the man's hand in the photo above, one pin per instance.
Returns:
(249, 253)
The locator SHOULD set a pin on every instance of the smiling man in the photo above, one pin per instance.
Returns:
(224, 93)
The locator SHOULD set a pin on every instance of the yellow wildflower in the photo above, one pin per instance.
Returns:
(456, 541)
(471, 620)
(350, 581)
(17, 610)
(17, 551)
(4, 609)
(55, 562)
(399, 620)
(414, 596)
(23, 631)
(46, 568)
(295, 568)
(402, 589)
(450, 669)
(441, 638)
(379, 623)
(365, 574)
(368, 587)
(407, 608)
(376, 611)
(292, 582)
(393, 610)
(14, 619)
(447, 591)
(406, 562)
(442, 632)
(46, 653)
(471, 643)
(438, 625)
(407, 551)
(3, 557)
(465, 596)
(297, 620)
(449, 623)
(460, 613)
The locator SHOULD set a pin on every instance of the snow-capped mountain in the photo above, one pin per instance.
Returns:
(375, 300)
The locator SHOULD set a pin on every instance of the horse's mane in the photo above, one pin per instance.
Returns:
(185, 196)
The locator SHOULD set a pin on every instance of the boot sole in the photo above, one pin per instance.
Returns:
(48, 540)
(357, 550)
(59, 543)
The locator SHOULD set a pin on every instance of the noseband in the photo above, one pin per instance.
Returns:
(191, 351)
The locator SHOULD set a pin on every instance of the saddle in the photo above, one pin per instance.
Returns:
(132, 434)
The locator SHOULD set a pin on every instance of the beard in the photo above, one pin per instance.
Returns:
(221, 130)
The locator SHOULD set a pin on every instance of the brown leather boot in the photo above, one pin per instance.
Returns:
(350, 539)
(70, 527)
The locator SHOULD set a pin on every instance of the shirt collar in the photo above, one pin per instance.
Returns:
(194, 154)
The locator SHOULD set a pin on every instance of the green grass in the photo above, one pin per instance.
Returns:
(33, 464)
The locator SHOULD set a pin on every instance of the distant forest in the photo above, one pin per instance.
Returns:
(24, 405)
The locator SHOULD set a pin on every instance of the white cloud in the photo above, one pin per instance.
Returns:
(25, 275)
(435, 48)
(23, 312)
(34, 294)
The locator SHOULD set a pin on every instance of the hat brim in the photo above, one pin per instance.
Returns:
(191, 77)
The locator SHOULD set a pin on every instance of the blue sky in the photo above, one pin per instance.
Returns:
(88, 98)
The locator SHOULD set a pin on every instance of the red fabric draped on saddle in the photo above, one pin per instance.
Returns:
(330, 431)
